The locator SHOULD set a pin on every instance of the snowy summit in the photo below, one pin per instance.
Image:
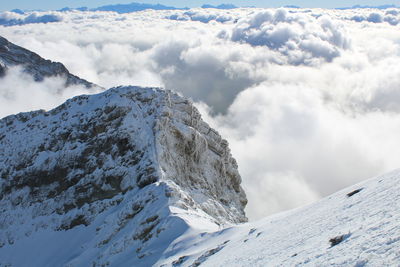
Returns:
(112, 178)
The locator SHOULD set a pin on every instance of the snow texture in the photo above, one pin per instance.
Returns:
(357, 226)
(111, 179)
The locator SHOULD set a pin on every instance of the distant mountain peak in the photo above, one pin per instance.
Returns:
(12, 55)
(134, 7)
(18, 11)
(221, 6)
(369, 6)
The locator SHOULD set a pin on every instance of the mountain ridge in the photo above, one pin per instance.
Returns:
(12, 55)
(140, 158)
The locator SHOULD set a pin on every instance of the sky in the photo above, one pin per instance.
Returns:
(51, 4)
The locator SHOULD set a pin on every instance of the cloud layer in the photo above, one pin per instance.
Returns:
(19, 92)
(309, 99)
(13, 18)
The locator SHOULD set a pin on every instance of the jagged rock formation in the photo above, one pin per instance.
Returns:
(12, 55)
(123, 172)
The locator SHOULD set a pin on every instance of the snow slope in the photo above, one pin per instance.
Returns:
(358, 226)
(12, 55)
(134, 177)
(111, 179)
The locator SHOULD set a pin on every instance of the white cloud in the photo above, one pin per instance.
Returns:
(308, 99)
(11, 18)
(19, 92)
(391, 16)
(300, 37)
(291, 134)
(203, 15)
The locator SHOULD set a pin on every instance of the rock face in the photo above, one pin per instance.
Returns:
(116, 176)
(12, 55)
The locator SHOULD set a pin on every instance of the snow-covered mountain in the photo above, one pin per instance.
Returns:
(12, 55)
(112, 178)
(134, 177)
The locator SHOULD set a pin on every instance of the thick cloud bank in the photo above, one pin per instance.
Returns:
(299, 37)
(309, 99)
(13, 18)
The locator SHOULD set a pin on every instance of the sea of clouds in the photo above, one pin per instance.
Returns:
(309, 99)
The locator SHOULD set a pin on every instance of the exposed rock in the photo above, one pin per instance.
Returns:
(12, 55)
(141, 159)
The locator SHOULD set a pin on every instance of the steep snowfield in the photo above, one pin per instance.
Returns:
(358, 226)
(111, 179)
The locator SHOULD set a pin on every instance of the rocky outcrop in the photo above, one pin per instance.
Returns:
(132, 166)
(12, 55)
